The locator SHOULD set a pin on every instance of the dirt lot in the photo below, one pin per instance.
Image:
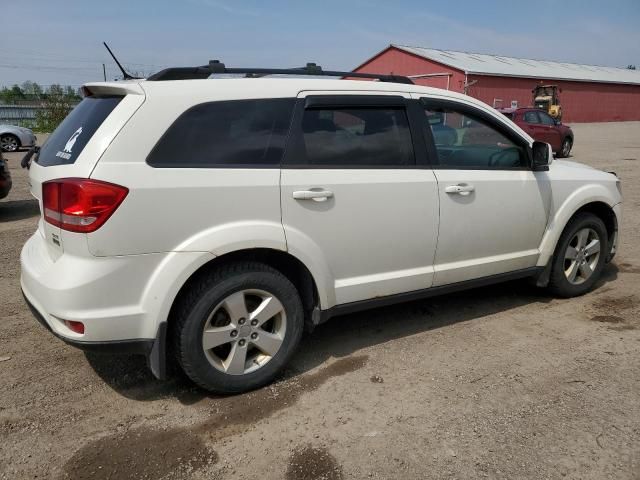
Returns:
(499, 382)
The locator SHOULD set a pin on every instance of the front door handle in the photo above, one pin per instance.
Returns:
(312, 194)
(461, 188)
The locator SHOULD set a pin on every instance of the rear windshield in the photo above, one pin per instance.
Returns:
(67, 141)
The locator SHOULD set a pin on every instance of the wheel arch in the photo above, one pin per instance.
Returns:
(597, 205)
(286, 263)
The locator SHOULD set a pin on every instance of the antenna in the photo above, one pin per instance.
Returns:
(125, 75)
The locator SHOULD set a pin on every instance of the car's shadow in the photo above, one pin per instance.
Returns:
(13, 210)
(341, 336)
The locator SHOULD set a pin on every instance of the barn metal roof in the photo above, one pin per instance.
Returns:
(498, 65)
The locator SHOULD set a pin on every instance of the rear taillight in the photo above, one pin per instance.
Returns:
(80, 204)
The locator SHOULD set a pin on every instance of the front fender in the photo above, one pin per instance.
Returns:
(560, 215)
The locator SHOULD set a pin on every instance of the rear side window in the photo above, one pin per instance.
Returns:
(250, 133)
(355, 137)
(72, 135)
(531, 117)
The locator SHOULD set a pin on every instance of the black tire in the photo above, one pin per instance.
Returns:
(4, 142)
(565, 148)
(559, 284)
(209, 291)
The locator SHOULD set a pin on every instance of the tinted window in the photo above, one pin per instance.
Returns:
(545, 119)
(230, 133)
(357, 137)
(72, 135)
(531, 117)
(464, 141)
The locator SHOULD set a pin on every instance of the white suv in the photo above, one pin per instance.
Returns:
(209, 221)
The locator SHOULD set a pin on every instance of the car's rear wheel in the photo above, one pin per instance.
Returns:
(237, 328)
(579, 256)
(9, 143)
(565, 149)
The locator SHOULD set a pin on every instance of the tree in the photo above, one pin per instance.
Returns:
(11, 95)
(56, 106)
(631, 67)
(32, 89)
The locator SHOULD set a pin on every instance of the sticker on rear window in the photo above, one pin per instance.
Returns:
(67, 150)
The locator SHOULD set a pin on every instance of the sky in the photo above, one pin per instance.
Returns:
(60, 41)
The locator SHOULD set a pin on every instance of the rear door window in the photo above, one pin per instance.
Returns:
(531, 117)
(361, 137)
(72, 135)
(236, 133)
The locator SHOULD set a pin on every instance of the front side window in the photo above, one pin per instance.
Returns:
(466, 141)
(355, 137)
(226, 134)
(546, 119)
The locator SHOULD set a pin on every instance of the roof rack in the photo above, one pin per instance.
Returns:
(216, 67)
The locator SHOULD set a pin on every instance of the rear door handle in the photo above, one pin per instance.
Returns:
(461, 188)
(312, 194)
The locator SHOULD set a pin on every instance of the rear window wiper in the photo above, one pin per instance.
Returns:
(26, 160)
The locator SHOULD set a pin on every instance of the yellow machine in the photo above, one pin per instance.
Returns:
(546, 98)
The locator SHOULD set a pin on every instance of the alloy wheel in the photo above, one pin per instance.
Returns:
(582, 255)
(8, 143)
(566, 148)
(244, 331)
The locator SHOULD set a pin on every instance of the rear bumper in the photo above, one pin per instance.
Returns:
(105, 294)
(122, 301)
(142, 346)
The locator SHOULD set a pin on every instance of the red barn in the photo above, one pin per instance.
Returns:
(588, 93)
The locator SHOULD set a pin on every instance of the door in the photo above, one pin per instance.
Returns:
(493, 208)
(551, 133)
(355, 204)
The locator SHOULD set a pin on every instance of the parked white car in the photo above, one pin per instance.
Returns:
(13, 137)
(209, 221)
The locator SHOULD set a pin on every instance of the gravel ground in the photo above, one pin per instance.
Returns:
(499, 382)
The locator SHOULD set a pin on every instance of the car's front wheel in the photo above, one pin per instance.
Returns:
(237, 328)
(579, 256)
(9, 143)
(565, 149)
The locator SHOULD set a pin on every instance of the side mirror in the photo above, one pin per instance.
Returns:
(542, 156)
